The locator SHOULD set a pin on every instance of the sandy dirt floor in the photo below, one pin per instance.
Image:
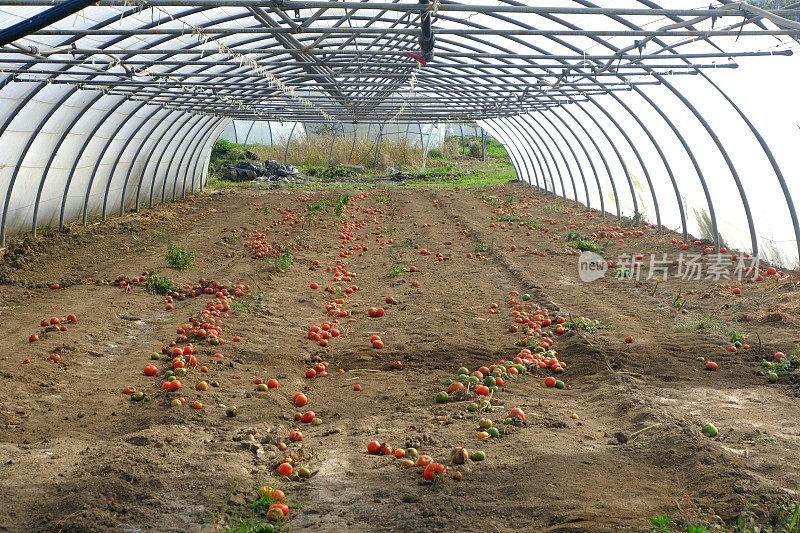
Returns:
(619, 444)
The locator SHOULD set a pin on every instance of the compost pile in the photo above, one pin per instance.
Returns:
(262, 172)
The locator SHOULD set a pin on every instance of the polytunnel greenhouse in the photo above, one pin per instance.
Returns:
(332, 265)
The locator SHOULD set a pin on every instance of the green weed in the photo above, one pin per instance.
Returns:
(158, 284)
(578, 242)
(249, 305)
(408, 243)
(700, 323)
(284, 262)
(396, 270)
(587, 325)
(178, 257)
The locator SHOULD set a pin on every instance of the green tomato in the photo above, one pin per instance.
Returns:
(474, 380)
(773, 377)
(442, 397)
(169, 373)
(155, 356)
(493, 433)
(507, 421)
(496, 373)
(463, 377)
(478, 456)
(138, 396)
(494, 388)
(701, 359)
(738, 344)
(473, 407)
(500, 369)
(463, 370)
(489, 381)
(560, 384)
(526, 297)
(266, 528)
(710, 429)
(448, 382)
(484, 423)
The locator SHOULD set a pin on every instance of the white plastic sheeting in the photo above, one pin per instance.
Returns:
(711, 150)
(682, 145)
(263, 132)
(75, 155)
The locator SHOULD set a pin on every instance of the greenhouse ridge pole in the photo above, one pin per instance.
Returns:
(42, 20)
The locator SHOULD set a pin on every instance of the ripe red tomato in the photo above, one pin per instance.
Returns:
(550, 381)
(285, 469)
(482, 390)
(310, 373)
(150, 370)
(282, 507)
(629, 339)
(432, 469)
(518, 413)
(295, 436)
(315, 286)
(299, 399)
(377, 344)
(273, 383)
(711, 365)
(374, 447)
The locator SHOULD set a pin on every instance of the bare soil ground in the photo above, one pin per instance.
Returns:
(76, 454)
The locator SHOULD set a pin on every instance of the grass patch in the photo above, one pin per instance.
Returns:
(553, 207)
(249, 305)
(700, 323)
(233, 238)
(482, 248)
(179, 257)
(284, 262)
(158, 284)
(408, 243)
(266, 210)
(577, 241)
(217, 183)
